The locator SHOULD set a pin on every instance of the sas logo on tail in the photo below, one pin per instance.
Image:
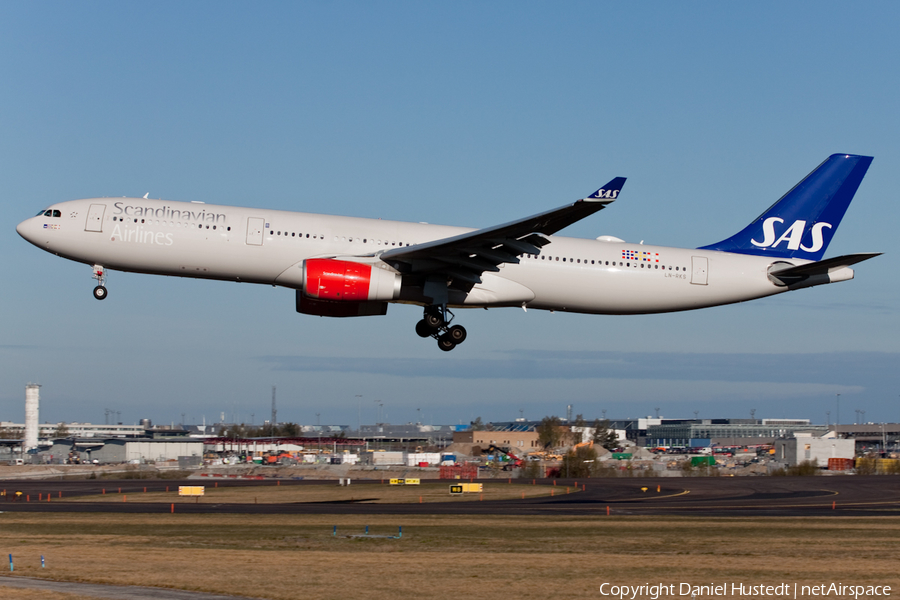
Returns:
(609, 194)
(793, 235)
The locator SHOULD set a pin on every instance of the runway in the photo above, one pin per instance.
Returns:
(708, 496)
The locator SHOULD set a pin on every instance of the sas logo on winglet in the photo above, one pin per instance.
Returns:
(793, 235)
(606, 194)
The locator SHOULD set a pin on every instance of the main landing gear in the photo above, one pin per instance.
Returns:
(436, 324)
(100, 292)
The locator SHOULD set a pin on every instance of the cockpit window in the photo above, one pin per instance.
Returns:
(50, 213)
(57, 213)
(43, 212)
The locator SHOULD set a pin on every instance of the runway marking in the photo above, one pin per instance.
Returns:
(641, 498)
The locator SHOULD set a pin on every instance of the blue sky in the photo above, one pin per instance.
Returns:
(459, 113)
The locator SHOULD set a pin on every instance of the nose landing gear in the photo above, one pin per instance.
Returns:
(100, 292)
(435, 324)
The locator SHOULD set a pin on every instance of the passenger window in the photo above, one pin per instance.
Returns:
(564, 259)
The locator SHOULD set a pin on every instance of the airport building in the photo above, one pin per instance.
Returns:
(802, 448)
(117, 450)
(523, 441)
(726, 432)
(50, 430)
(871, 436)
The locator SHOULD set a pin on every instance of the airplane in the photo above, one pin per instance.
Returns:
(346, 267)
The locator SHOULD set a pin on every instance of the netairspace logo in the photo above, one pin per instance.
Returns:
(714, 590)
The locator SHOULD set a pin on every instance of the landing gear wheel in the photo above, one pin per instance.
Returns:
(423, 329)
(445, 343)
(433, 320)
(100, 292)
(457, 334)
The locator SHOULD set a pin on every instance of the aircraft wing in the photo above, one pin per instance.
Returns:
(465, 257)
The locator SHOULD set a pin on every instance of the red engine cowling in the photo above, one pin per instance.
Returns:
(348, 281)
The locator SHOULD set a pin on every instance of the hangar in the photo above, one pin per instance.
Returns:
(118, 450)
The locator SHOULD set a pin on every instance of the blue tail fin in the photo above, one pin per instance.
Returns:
(803, 221)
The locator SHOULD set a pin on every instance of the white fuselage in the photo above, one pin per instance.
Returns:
(269, 246)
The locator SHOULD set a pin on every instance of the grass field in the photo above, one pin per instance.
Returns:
(283, 557)
(364, 493)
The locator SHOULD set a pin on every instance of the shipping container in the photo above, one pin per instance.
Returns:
(840, 464)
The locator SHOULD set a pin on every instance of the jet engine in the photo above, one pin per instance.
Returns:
(349, 281)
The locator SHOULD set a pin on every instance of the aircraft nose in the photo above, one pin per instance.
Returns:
(24, 228)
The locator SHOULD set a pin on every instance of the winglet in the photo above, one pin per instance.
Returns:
(608, 192)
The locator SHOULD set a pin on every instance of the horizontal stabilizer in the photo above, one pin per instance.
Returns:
(789, 274)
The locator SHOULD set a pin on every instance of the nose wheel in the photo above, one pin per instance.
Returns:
(435, 324)
(100, 291)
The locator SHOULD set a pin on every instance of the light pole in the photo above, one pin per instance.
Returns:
(837, 414)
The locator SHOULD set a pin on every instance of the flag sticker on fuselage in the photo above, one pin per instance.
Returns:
(640, 256)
